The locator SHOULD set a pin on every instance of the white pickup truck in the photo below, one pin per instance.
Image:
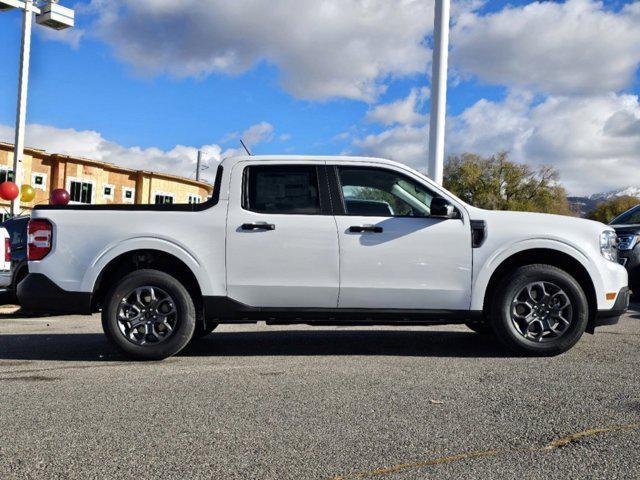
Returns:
(323, 241)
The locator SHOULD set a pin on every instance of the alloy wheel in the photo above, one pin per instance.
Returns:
(147, 316)
(541, 312)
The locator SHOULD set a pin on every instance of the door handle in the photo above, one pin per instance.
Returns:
(258, 226)
(365, 228)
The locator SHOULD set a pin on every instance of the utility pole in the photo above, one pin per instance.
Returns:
(439, 90)
(198, 165)
(21, 114)
(49, 14)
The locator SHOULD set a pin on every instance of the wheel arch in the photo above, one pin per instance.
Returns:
(543, 255)
(145, 258)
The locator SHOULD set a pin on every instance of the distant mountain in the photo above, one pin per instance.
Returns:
(624, 192)
(584, 205)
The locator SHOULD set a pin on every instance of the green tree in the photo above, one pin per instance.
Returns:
(609, 209)
(498, 183)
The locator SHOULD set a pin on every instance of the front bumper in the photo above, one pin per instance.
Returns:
(38, 293)
(611, 317)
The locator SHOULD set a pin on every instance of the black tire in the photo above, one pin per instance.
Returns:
(203, 329)
(20, 275)
(480, 326)
(184, 317)
(512, 285)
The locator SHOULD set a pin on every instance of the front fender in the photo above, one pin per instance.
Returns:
(486, 269)
(163, 244)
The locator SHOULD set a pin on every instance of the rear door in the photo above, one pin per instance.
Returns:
(282, 241)
(393, 254)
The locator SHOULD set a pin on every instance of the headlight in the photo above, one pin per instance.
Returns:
(609, 245)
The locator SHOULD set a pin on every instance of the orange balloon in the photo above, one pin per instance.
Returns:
(27, 193)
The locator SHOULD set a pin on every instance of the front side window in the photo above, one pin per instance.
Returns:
(377, 192)
(80, 192)
(282, 189)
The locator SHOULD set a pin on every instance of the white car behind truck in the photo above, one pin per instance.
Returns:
(323, 240)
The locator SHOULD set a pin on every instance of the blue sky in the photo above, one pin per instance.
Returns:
(145, 83)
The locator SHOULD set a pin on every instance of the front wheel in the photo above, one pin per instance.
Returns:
(480, 326)
(539, 310)
(149, 315)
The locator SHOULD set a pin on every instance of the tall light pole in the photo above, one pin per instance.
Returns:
(439, 90)
(49, 14)
(198, 165)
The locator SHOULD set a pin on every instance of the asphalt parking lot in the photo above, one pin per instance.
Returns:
(258, 402)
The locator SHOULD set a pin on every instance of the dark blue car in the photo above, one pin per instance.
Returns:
(17, 229)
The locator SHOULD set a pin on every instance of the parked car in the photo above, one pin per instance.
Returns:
(627, 226)
(5, 259)
(17, 231)
(277, 242)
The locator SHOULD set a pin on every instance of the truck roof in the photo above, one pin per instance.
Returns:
(302, 158)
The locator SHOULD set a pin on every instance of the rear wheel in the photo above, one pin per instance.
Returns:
(149, 315)
(539, 310)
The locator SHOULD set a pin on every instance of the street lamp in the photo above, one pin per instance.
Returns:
(438, 90)
(49, 14)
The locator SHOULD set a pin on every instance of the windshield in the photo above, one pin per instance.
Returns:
(630, 217)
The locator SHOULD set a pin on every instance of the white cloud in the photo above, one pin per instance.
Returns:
(180, 160)
(594, 142)
(70, 36)
(324, 49)
(262, 132)
(404, 111)
(573, 48)
(488, 127)
(259, 133)
(576, 135)
(406, 144)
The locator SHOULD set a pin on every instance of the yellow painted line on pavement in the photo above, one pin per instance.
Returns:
(558, 443)
(424, 463)
(561, 442)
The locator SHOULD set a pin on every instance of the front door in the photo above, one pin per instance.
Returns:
(393, 255)
(282, 241)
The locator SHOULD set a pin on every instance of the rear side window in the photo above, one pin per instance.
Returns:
(282, 189)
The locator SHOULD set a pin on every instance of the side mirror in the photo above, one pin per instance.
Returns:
(442, 208)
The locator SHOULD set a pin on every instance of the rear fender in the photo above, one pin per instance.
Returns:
(145, 243)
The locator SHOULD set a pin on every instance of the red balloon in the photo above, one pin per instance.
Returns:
(60, 197)
(9, 191)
